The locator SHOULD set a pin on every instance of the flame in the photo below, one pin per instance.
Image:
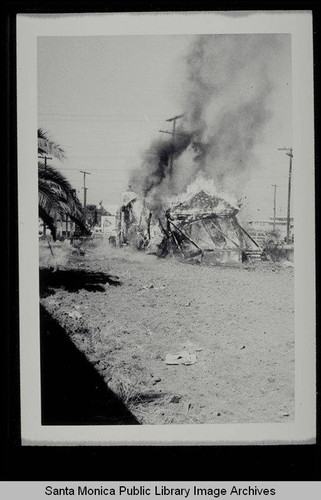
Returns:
(208, 186)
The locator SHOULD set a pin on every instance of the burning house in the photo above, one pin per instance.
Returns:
(198, 224)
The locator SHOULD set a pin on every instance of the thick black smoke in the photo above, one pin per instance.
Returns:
(229, 81)
(158, 166)
(154, 179)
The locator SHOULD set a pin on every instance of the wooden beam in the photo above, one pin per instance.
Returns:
(238, 246)
(189, 239)
(247, 234)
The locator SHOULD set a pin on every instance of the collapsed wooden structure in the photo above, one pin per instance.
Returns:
(201, 226)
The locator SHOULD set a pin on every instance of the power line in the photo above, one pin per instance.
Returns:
(93, 114)
(87, 157)
(102, 144)
(96, 170)
(85, 117)
(98, 120)
(139, 87)
(114, 142)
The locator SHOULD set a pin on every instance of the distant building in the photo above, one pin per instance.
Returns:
(108, 224)
(65, 228)
(260, 229)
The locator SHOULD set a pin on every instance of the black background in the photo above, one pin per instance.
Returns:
(120, 463)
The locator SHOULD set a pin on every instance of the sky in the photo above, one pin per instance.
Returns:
(104, 100)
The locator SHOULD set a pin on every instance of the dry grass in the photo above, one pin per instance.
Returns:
(54, 255)
(229, 308)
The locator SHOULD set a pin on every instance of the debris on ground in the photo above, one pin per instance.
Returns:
(187, 407)
(155, 379)
(175, 399)
(74, 315)
(225, 385)
(182, 358)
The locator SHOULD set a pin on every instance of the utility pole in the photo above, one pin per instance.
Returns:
(173, 133)
(45, 158)
(72, 224)
(274, 206)
(289, 152)
(85, 189)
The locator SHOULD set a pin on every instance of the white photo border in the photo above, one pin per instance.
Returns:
(299, 25)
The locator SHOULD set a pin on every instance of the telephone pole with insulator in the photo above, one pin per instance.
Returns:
(173, 134)
(289, 152)
(85, 189)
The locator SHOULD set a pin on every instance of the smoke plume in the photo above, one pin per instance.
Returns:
(229, 80)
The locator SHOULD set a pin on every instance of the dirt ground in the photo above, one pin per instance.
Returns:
(238, 321)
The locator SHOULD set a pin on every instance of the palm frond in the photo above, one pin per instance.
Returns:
(59, 183)
(48, 147)
(51, 174)
(48, 220)
(51, 200)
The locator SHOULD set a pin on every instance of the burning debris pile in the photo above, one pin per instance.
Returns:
(226, 103)
(198, 224)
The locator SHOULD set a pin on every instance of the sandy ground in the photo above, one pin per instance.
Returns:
(238, 321)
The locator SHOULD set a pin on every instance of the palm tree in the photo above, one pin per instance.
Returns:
(56, 195)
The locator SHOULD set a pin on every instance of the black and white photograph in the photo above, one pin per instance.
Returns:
(166, 228)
